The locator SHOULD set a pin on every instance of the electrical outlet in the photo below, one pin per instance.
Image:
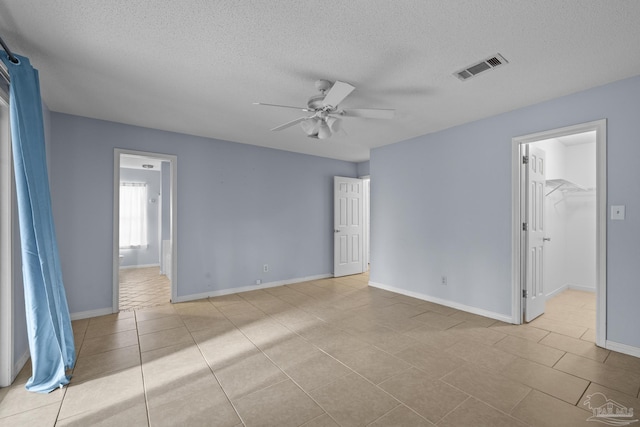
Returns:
(265, 268)
(443, 281)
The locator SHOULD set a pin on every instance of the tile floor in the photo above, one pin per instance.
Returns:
(143, 288)
(331, 352)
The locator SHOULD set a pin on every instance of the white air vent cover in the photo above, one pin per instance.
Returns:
(477, 68)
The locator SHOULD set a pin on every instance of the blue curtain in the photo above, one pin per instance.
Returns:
(49, 326)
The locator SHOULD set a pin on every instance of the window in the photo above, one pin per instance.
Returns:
(133, 215)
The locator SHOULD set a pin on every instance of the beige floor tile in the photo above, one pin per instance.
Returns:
(575, 346)
(207, 406)
(437, 321)
(338, 342)
(40, 417)
(222, 349)
(155, 312)
(493, 389)
(488, 357)
(472, 331)
(17, 400)
(559, 327)
(432, 361)
(590, 335)
(548, 380)
(431, 398)
(165, 338)
(522, 331)
(103, 363)
(97, 329)
(266, 333)
(541, 410)
(249, 339)
(597, 395)
(198, 322)
(401, 416)
(170, 367)
(473, 318)
(527, 349)
(623, 361)
(108, 392)
(373, 364)
(108, 342)
(437, 308)
(434, 338)
(316, 371)
(353, 401)
(160, 324)
(478, 414)
(118, 415)
(265, 408)
(618, 379)
(408, 300)
(247, 375)
(323, 420)
(387, 339)
(289, 352)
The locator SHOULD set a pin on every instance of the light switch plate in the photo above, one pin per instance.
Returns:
(617, 212)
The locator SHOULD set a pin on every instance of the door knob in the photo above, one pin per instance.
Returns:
(336, 231)
(546, 239)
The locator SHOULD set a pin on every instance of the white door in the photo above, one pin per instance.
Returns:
(348, 229)
(534, 233)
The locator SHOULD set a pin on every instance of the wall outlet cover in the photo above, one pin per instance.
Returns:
(617, 212)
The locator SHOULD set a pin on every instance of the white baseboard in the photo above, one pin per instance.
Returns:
(17, 367)
(452, 304)
(557, 291)
(582, 288)
(221, 292)
(622, 348)
(127, 267)
(91, 313)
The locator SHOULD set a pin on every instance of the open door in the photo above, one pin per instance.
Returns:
(534, 229)
(348, 228)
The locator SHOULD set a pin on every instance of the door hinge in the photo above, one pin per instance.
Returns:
(524, 226)
(525, 160)
(525, 294)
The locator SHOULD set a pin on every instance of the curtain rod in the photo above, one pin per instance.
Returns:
(9, 53)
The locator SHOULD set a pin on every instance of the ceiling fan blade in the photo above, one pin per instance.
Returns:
(291, 123)
(338, 92)
(368, 113)
(281, 106)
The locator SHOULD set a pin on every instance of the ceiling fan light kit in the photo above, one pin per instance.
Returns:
(326, 118)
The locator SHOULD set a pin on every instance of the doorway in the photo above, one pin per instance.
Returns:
(144, 249)
(568, 189)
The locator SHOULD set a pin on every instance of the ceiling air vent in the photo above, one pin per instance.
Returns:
(475, 69)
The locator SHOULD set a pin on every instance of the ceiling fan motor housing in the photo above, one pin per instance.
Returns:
(315, 102)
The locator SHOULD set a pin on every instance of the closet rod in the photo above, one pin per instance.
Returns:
(9, 53)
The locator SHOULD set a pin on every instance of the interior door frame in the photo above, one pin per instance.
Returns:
(7, 219)
(173, 197)
(600, 128)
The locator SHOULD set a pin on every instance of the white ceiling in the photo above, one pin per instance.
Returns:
(132, 161)
(196, 66)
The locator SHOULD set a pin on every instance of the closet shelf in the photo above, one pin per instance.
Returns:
(564, 186)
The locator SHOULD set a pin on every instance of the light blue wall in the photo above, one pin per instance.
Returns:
(239, 207)
(149, 255)
(441, 205)
(363, 168)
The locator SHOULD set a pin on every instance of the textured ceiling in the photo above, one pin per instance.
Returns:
(196, 66)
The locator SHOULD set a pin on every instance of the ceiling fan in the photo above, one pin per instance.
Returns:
(326, 117)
